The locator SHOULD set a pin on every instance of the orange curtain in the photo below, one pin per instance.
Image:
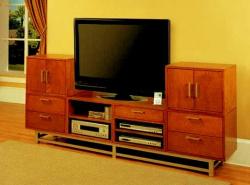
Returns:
(38, 13)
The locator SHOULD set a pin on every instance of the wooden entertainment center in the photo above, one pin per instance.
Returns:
(194, 128)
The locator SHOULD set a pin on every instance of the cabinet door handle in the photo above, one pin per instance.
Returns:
(138, 112)
(193, 118)
(43, 116)
(196, 90)
(46, 77)
(45, 100)
(189, 90)
(42, 76)
(193, 138)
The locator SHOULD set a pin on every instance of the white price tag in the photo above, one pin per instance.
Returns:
(157, 98)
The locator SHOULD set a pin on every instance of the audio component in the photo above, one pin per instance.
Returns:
(142, 128)
(87, 128)
(142, 141)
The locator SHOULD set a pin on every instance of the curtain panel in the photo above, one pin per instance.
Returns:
(38, 12)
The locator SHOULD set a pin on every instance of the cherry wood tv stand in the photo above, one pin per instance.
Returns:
(194, 128)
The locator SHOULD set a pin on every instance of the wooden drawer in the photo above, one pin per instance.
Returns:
(194, 144)
(139, 113)
(46, 104)
(45, 121)
(196, 124)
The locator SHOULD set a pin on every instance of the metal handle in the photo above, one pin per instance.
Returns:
(45, 100)
(193, 138)
(193, 118)
(189, 89)
(46, 77)
(138, 111)
(196, 90)
(42, 76)
(43, 116)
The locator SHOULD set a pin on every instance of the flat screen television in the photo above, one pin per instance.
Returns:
(121, 56)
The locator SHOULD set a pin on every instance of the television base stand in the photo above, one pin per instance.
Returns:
(130, 152)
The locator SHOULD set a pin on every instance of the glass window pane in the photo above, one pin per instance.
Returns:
(33, 47)
(16, 22)
(16, 1)
(32, 32)
(16, 55)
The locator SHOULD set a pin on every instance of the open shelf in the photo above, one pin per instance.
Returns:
(88, 110)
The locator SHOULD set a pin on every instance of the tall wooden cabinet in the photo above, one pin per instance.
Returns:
(49, 81)
(201, 101)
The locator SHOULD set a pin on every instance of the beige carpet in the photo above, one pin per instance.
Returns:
(31, 164)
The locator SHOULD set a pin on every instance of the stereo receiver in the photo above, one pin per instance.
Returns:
(88, 128)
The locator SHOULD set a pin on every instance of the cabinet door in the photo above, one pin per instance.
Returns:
(179, 91)
(208, 90)
(56, 77)
(35, 75)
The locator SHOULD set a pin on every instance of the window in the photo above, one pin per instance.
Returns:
(18, 37)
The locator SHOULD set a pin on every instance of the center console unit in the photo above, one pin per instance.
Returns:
(194, 128)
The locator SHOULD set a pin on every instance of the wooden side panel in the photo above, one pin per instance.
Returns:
(208, 90)
(179, 91)
(230, 133)
(230, 89)
(70, 78)
(35, 76)
(56, 77)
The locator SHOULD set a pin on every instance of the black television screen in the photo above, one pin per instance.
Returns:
(123, 56)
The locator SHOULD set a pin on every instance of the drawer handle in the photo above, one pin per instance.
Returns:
(42, 116)
(189, 90)
(193, 138)
(138, 112)
(45, 100)
(193, 118)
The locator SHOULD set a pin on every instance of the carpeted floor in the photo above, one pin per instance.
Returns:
(31, 164)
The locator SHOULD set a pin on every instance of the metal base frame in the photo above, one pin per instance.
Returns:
(118, 150)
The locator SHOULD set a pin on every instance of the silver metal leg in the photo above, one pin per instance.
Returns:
(37, 137)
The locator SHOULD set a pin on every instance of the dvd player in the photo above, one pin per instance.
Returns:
(143, 128)
(137, 140)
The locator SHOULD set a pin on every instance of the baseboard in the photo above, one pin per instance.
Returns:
(241, 155)
(12, 94)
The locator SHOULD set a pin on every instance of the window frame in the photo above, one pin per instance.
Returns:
(25, 39)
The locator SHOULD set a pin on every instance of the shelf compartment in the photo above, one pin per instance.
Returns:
(95, 111)
(139, 140)
(138, 133)
(142, 127)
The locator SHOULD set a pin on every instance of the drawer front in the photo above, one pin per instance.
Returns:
(45, 121)
(196, 124)
(46, 104)
(198, 145)
(139, 113)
